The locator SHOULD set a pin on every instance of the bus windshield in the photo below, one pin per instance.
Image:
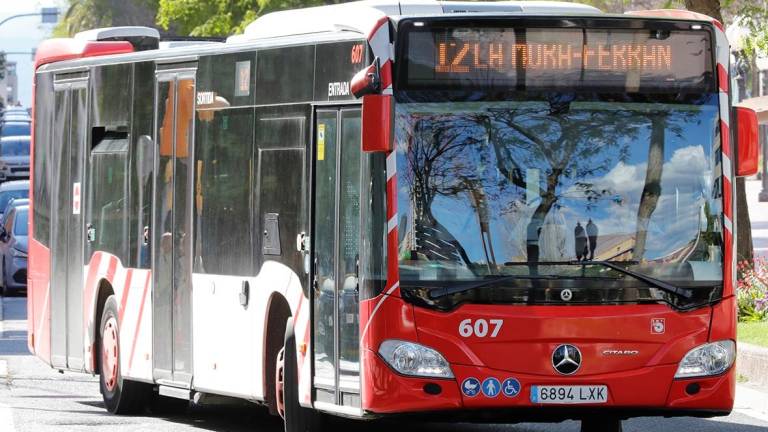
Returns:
(541, 181)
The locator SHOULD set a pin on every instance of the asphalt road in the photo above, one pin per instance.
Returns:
(37, 399)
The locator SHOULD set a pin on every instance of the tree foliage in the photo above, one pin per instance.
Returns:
(221, 17)
(83, 15)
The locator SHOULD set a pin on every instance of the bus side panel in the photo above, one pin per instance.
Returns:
(38, 306)
(136, 305)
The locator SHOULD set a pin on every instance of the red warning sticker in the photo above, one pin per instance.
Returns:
(76, 198)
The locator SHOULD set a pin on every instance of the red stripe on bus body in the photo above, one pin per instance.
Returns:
(727, 199)
(111, 269)
(391, 197)
(126, 289)
(728, 261)
(722, 78)
(138, 321)
(393, 273)
(383, 20)
(725, 136)
(386, 74)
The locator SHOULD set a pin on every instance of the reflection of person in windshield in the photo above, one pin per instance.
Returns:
(592, 232)
(533, 233)
(581, 242)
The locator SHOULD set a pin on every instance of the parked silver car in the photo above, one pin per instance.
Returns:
(14, 158)
(13, 250)
(12, 190)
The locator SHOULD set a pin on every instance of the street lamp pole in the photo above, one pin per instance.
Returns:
(49, 15)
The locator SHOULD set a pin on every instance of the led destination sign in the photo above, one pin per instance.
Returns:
(536, 57)
(466, 57)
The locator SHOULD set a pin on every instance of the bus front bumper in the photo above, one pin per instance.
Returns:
(649, 391)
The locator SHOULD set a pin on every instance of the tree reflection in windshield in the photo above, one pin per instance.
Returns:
(490, 183)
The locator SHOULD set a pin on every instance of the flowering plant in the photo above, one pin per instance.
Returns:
(752, 290)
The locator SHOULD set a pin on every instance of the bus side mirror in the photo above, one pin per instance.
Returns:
(367, 81)
(747, 147)
(377, 123)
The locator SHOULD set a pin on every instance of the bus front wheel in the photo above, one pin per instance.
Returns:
(121, 396)
(297, 418)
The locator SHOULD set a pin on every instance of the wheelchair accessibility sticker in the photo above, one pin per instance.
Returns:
(510, 387)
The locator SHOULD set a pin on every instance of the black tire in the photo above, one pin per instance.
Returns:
(3, 291)
(127, 397)
(297, 418)
(609, 424)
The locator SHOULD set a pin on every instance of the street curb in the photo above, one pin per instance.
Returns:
(752, 363)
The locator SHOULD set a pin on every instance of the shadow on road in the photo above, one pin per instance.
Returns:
(256, 419)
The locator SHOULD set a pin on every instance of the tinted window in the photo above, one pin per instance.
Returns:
(20, 227)
(229, 77)
(223, 204)
(6, 196)
(15, 129)
(14, 148)
(142, 164)
(43, 125)
(285, 75)
(108, 190)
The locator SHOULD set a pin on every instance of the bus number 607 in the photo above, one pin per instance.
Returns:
(480, 327)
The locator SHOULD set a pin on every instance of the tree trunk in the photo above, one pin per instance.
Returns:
(707, 7)
(652, 188)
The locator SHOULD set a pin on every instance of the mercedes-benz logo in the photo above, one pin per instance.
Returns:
(566, 294)
(566, 359)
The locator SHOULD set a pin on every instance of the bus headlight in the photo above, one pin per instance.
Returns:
(707, 360)
(412, 359)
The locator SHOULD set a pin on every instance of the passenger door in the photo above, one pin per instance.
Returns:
(67, 242)
(337, 162)
(172, 228)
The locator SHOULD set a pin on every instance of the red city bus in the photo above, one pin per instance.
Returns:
(475, 211)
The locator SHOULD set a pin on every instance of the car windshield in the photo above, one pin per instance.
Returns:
(15, 129)
(20, 227)
(490, 185)
(10, 147)
(6, 196)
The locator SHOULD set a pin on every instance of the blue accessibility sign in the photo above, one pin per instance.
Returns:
(491, 387)
(470, 387)
(510, 387)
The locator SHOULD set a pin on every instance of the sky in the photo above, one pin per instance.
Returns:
(23, 34)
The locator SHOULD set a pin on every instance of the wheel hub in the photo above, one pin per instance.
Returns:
(280, 383)
(110, 354)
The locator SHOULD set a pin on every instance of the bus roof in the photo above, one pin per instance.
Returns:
(361, 16)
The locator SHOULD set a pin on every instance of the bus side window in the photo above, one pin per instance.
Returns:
(108, 191)
(223, 192)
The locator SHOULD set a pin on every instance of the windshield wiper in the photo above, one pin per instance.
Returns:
(656, 283)
(664, 286)
(442, 292)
